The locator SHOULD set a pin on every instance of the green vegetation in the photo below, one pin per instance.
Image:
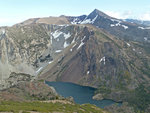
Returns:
(103, 90)
(145, 46)
(146, 68)
(41, 80)
(140, 98)
(16, 107)
(102, 35)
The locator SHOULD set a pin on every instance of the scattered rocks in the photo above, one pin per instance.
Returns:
(98, 97)
(120, 109)
(14, 79)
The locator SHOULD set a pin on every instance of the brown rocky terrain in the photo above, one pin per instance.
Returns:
(29, 91)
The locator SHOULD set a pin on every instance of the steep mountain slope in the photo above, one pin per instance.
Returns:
(121, 29)
(89, 58)
(29, 48)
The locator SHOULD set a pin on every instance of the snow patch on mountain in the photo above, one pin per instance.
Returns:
(64, 25)
(3, 31)
(57, 33)
(128, 44)
(102, 59)
(66, 44)
(119, 24)
(67, 35)
(81, 44)
(85, 21)
(58, 51)
(39, 69)
(76, 21)
(125, 27)
(112, 25)
(83, 38)
(143, 27)
(89, 21)
(73, 46)
(71, 49)
(145, 38)
(51, 39)
(73, 40)
(50, 62)
(88, 72)
(140, 52)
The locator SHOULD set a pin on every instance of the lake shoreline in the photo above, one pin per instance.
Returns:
(81, 94)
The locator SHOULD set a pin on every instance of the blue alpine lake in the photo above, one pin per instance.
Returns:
(81, 94)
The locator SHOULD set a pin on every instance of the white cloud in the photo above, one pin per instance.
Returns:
(129, 14)
(113, 14)
(10, 21)
(145, 16)
(5, 22)
(119, 15)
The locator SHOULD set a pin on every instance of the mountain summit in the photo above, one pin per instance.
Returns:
(98, 12)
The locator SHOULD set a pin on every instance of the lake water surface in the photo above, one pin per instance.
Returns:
(81, 94)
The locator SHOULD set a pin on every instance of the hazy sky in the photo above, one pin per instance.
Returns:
(14, 11)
